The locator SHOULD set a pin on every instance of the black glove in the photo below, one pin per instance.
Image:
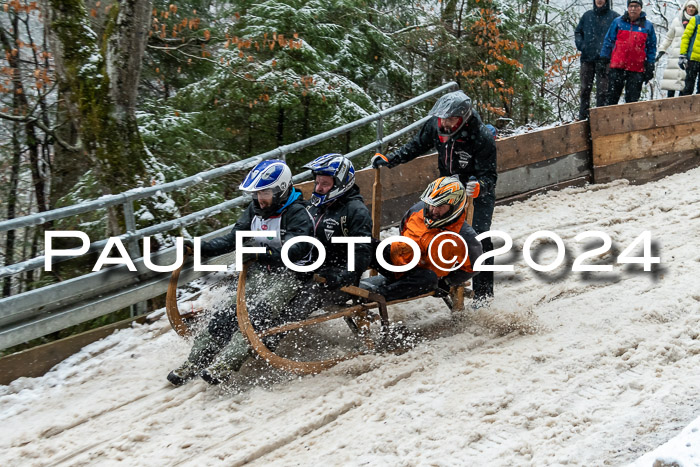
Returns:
(262, 258)
(443, 288)
(682, 62)
(379, 160)
(189, 247)
(659, 55)
(605, 61)
(336, 277)
(648, 71)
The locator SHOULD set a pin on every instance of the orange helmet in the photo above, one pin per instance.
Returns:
(444, 191)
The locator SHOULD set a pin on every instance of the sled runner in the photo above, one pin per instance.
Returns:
(366, 308)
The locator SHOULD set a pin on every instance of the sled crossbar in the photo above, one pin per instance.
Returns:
(342, 312)
(355, 315)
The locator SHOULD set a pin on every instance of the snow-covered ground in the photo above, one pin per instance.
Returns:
(564, 368)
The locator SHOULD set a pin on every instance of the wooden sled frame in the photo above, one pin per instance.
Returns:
(357, 316)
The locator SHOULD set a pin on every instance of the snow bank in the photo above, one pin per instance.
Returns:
(563, 368)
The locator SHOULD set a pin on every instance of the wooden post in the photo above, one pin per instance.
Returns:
(470, 210)
(377, 203)
(457, 296)
(376, 208)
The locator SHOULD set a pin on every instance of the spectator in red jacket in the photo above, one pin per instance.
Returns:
(630, 47)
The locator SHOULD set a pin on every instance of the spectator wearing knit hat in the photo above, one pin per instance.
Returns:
(589, 34)
(630, 46)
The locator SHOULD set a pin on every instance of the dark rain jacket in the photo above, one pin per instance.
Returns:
(591, 30)
(630, 45)
(295, 221)
(347, 216)
(470, 152)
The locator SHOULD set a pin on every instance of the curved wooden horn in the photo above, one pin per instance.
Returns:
(171, 305)
(246, 328)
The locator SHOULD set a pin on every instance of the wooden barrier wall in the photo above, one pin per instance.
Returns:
(546, 159)
(527, 164)
(645, 141)
(641, 142)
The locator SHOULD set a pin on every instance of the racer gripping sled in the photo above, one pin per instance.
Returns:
(220, 349)
(443, 207)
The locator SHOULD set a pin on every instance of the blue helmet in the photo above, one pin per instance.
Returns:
(268, 175)
(332, 165)
(492, 129)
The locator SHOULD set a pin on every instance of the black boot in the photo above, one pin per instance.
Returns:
(228, 362)
(203, 351)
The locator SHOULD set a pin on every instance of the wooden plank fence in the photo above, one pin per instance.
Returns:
(645, 141)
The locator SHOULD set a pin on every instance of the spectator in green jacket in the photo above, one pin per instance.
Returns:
(690, 55)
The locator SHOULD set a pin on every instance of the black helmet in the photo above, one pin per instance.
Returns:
(453, 105)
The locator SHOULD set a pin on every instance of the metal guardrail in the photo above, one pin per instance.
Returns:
(128, 197)
(42, 311)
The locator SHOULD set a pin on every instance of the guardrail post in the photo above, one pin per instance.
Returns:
(132, 247)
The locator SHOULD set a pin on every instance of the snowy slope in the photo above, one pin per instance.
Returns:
(564, 368)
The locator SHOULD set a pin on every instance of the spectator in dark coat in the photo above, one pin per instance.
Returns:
(590, 32)
(630, 47)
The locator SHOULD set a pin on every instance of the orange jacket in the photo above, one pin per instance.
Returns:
(413, 227)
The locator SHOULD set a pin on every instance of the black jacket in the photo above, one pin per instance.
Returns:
(347, 216)
(471, 152)
(295, 222)
(591, 30)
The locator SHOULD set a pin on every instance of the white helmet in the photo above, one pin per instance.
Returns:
(272, 175)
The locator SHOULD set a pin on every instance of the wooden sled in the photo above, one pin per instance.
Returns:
(358, 316)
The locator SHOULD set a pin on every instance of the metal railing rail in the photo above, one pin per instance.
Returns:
(127, 198)
(41, 311)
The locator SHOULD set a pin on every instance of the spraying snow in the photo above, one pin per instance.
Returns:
(592, 368)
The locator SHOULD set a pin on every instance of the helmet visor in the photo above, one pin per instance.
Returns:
(435, 213)
(449, 125)
(266, 195)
